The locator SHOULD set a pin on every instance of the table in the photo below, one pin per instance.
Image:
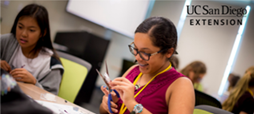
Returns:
(35, 93)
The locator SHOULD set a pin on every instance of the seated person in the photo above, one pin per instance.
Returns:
(232, 79)
(27, 52)
(241, 98)
(153, 86)
(195, 71)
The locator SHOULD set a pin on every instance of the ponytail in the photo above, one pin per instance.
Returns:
(240, 88)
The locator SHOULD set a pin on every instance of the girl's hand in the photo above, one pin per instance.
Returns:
(104, 103)
(5, 66)
(125, 88)
(21, 74)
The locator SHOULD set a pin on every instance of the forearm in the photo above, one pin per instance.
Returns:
(130, 105)
(34, 81)
(102, 111)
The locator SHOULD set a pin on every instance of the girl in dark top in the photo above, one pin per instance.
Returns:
(240, 100)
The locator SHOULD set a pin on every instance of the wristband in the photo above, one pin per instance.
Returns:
(138, 108)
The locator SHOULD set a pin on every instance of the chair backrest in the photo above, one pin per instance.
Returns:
(204, 99)
(211, 109)
(200, 111)
(75, 72)
(75, 59)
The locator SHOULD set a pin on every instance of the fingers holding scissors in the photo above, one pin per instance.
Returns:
(124, 87)
(104, 90)
(106, 107)
(114, 94)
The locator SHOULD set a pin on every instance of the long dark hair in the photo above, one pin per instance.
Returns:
(162, 32)
(40, 14)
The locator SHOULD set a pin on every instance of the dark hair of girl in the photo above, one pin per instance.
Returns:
(40, 14)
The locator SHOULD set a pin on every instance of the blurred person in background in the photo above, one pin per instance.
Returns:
(195, 71)
(232, 79)
(240, 100)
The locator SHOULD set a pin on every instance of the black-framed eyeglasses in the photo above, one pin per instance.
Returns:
(143, 55)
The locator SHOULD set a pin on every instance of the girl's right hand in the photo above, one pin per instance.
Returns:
(104, 103)
(5, 66)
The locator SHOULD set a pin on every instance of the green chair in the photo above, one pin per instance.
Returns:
(200, 111)
(75, 72)
(206, 109)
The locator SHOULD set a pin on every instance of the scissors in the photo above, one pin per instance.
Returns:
(106, 80)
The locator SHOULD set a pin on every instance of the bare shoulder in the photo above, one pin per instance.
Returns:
(180, 96)
(182, 81)
(127, 72)
(181, 84)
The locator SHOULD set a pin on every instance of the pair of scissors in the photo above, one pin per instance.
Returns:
(107, 80)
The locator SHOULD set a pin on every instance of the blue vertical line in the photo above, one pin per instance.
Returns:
(182, 18)
(150, 8)
(234, 50)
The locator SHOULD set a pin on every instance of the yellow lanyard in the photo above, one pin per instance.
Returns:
(123, 108)
(250, 92)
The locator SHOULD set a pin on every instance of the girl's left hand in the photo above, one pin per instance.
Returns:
(21, 74)
(125, 88)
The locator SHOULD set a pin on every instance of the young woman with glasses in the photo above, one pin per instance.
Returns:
(152, 86)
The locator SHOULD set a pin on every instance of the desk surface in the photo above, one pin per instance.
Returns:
(36, 92)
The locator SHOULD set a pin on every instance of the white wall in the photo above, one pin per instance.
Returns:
(245, 57)
(210, 44)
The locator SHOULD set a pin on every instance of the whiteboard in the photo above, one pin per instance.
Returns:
(122, 16)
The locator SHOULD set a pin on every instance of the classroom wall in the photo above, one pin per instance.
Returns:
(245, 57)
(210, 44)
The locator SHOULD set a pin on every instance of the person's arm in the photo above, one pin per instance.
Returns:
(102, 110)
(126, 91)
(181, 97)
(4, 42)
(51, 82)
(5, 65)
(242, 112)
(103, 105)
(131, 104)
(8, 46)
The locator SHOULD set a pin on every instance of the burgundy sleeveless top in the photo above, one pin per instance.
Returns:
(153, 96)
